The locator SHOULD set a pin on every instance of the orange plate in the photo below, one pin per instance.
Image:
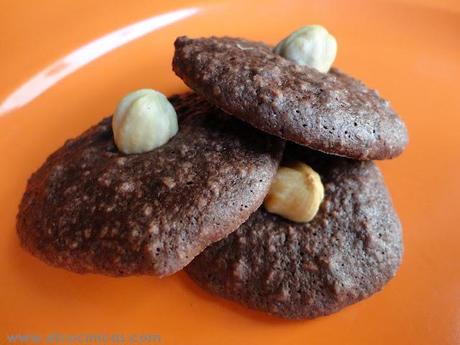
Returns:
(65, 65)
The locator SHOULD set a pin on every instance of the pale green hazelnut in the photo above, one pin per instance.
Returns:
(143, 121)
(311, 46)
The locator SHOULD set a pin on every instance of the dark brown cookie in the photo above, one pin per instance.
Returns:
(346, 253)
(90, 208)
(331, 112)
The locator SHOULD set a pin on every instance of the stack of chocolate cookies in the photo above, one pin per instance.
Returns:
(196, 201)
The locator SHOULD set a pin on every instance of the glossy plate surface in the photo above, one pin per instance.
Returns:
(64, 65)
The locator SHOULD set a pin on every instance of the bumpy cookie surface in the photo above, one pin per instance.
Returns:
(90, 208)
(346, 253)
(331, 112)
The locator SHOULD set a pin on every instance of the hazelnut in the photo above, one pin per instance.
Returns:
(296, 193)
(311, 46)
(143, 121)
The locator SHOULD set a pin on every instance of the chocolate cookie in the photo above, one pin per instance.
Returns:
(346, 253)
(331, 112)
(90, 208)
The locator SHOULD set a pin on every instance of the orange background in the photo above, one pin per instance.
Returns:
(409, 50)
